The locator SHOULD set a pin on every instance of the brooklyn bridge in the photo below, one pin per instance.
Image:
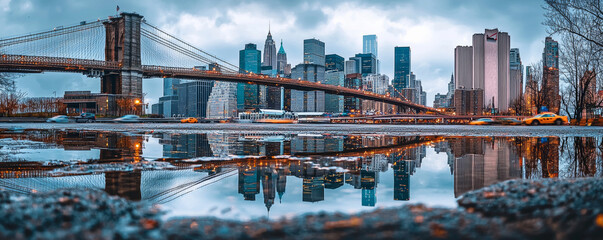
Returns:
(124, 50)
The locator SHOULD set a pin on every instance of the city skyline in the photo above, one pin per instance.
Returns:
(433, 58)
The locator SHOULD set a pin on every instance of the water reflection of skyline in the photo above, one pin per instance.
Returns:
(323, 163)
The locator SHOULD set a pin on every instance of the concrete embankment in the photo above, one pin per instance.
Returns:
(516, 209)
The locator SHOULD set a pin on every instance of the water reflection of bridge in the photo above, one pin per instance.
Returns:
(321, 161)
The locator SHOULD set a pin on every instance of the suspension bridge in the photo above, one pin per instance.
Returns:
(125, 49)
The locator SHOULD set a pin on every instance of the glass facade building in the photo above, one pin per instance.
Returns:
(334, 62)
(314, 52)
(368, 63)
(334, 103)
(248, 95)
(369, 45)
(402, 65)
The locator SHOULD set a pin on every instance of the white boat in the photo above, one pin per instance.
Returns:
(267, 116)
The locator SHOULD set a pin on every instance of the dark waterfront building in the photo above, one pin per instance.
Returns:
(193, 97)
(334, 62)
(248, 95)
(469, 102)
(352, 104)
(314, 52)
(307, 101)
(334, 103)
(516, 77)
(367, 63)
(401, 68)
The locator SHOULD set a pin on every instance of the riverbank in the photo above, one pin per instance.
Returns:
(515, 209)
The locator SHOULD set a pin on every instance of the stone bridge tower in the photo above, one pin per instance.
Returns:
(123, 45)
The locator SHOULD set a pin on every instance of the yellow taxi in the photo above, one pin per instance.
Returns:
(189, 120)
(546, 118)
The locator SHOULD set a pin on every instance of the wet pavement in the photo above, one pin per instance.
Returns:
(276, 172)
(500, 211)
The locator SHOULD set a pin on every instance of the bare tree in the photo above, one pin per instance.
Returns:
(536, 89)
(518, 106)
(580, 60)
(582, 18)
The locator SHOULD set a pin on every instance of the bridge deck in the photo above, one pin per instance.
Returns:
(22, 63)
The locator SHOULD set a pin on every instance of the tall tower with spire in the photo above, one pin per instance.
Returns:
(269, 51)
(281, 59)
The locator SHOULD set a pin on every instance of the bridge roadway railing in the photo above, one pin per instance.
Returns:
(24, 62)
(41, 63)
(191, 73)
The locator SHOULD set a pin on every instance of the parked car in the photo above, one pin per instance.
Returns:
(86, 117)
(483, 121)
(546, 118)
(128, 119)
(58, 119)
(509, 121)
(189, 120)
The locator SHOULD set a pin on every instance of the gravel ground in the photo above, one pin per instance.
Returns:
(412, 130)
(517, 209)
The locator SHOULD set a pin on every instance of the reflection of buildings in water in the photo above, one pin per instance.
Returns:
(124, 184)
(488, 161)
(334, 180)
(281, 182)
(444, 146)
(249, 182)
(313, 189)
(308, 143)
(541, 157)
(186, 146)
(112, 146)
(222, 144)
(268, 186)
(401, 180)
(368, 184)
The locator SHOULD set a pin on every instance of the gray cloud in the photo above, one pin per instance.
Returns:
(293, 21)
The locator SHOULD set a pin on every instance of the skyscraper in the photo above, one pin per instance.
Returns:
(369, 45)
(248, 96)
(463, 67)
(281, 60)
(491, 67)
(269, 52)
(308, 101)
(270, 97)
(222, 102)
(401, 68)
(334, 62)
(334, 103)
(193, 98)
(550, 78)
(314, 52)
(368, 63)
(516, 78)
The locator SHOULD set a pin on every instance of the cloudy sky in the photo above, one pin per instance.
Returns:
(432, 28)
